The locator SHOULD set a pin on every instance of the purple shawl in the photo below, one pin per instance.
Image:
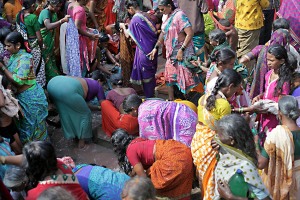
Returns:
(167, 120)
(280, 36)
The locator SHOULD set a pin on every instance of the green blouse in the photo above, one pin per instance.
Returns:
(46, 14)
(32, 24)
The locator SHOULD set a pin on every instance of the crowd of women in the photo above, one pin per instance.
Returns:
(229, 125)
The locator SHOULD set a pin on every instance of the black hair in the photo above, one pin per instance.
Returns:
(225, 22)
(98, 75)
(3, 33)
(40, 160)
(218, 36)
(28, 3)
(285, 70)
(15, 38)
(236, 126)
(116, 79)
(288, 106)
(227, 77)
(5, 82)
(166, 3)
(223, 56)
(139, 188)
(103, 37)
(132, 3)
(120, 140)
(131, 101)
(281, 23)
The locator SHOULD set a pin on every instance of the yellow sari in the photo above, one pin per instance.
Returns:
(203, 155)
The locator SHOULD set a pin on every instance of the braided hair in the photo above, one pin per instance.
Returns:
(286, 70)
(120, 140)
(227, 77)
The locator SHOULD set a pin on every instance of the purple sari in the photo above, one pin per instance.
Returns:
(143, 31)
(167, 120)
(280, 36)
(290, 10)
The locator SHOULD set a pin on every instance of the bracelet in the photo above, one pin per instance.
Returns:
(183, 47)
(241, 110)
(3, 68)
(60, 21)
(2, 160)
(156, 46)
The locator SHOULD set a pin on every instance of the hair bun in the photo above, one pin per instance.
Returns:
(294, 114)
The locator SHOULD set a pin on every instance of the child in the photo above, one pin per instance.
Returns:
(9, 109)
(231, 33)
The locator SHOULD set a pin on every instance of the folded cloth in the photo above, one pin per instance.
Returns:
(11, 107)
(272, 106)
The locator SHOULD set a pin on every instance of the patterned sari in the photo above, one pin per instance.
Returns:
(48, 39)
(203, 154)
(32, 101)
(278, 176)
(176, 73)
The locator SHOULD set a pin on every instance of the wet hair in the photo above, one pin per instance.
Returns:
(218, 36)
(223, 56)
(227, 77)
(103, 37)
(292, 60)
(14, 177)
(131, 101)
(281, 23)
(285, 70)
(5, 82)
(131, 3)
(120, 140)
(139, 188)
(288, 106)
(3, 33)
(56, 192)
(166, 3)
(236, 126)
(225, 22)
(40, 160)
(98, 75)
(15, 38)
(28, 3)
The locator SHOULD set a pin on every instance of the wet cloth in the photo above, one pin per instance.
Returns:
(48, 39)
(176, 72)
(100, 183)
(67, 181)
(33, 101)
(167, 120)
(74, 113)
(143, 32)
(112, 119)
(290, 10)
(280, 36)
(204, 155)
(278, 176)
(231, 159)
(62, 47)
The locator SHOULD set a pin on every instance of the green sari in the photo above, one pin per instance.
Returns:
(48, 39)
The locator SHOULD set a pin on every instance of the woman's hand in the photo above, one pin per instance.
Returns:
(152, 54)
(257, 98)
(244, 59)
(196, 63)
(65, 19)
(179, 56)
(224, 190)
(94, 36)
(258, 109)
(214, 145)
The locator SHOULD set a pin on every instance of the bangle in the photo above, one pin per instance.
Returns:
(2, 160)
(3, 68)
(257, 146)
(60, 21)
(182, 47)
(241, 110)
(156, 46)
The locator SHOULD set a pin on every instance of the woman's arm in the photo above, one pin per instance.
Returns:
(11, 160)
(139, 170)
(92, 13)
(53, 25)
(8, 75)
(189, 36)
(156, 47)
(2, 99)
(84, 32)
(40, 39)
(111, 57)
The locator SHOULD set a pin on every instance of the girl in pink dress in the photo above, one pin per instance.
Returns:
(277, 82)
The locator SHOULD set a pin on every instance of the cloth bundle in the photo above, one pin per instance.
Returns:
(11, 107)
(271, 106)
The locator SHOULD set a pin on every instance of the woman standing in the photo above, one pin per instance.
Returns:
(28, 26)
(31, 96)
(168, 163)
(212, 107)
(11, 9)
(143, 32)
(48, 23)
(97, 15)
(177, 34)
(75, 115)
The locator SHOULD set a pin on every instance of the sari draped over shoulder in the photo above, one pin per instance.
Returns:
(203, 154)
(176, 72)
(167, 120)
(5, 150)
(32, 101)
(143, 32)
(232, 159)
(278, 176)
(280, 36)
